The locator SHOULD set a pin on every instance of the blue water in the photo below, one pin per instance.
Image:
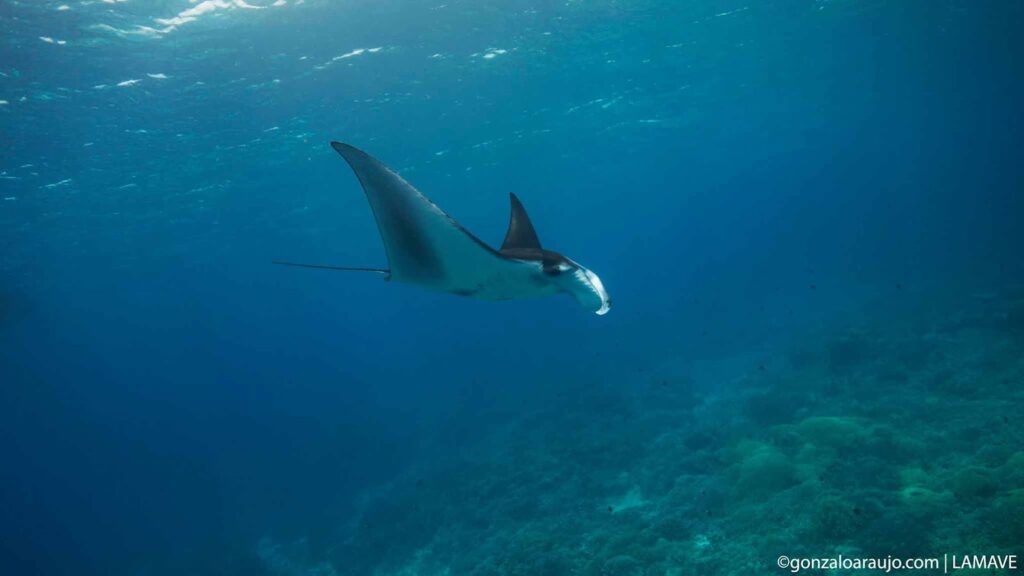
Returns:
(742, 176)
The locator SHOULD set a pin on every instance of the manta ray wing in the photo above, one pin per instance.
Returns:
(426, 246)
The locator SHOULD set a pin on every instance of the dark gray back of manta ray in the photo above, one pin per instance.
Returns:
(424, 245)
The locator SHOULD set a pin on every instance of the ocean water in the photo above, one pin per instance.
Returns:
(808, 214)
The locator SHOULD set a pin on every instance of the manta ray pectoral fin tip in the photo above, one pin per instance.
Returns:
(340, 147)
(355, 157)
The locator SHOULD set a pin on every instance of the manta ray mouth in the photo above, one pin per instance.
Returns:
(594, 284)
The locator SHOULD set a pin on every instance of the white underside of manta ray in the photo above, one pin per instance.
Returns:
(428, 248)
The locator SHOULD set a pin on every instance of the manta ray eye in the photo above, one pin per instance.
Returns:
(556, 268)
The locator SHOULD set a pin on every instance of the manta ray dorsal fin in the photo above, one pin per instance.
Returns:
(520, 235)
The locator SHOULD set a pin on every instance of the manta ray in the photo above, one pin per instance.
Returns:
(428, 248)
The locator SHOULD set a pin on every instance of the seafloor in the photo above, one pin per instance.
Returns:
(877, 435)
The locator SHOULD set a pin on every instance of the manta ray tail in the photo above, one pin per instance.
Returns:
(324, 267)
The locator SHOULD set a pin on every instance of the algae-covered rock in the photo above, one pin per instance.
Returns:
(672, 526)
(914, 476)
(832, 431)
(835, 519)
(622, 566)
(1012, 472)
(920, 497)
(974, 484)
(922, 501)
(1006, 518)
(761, 470)
(894, 529)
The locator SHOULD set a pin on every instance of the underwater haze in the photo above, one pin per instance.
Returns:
(808, 215)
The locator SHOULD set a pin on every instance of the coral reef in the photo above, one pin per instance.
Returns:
(893, 439)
